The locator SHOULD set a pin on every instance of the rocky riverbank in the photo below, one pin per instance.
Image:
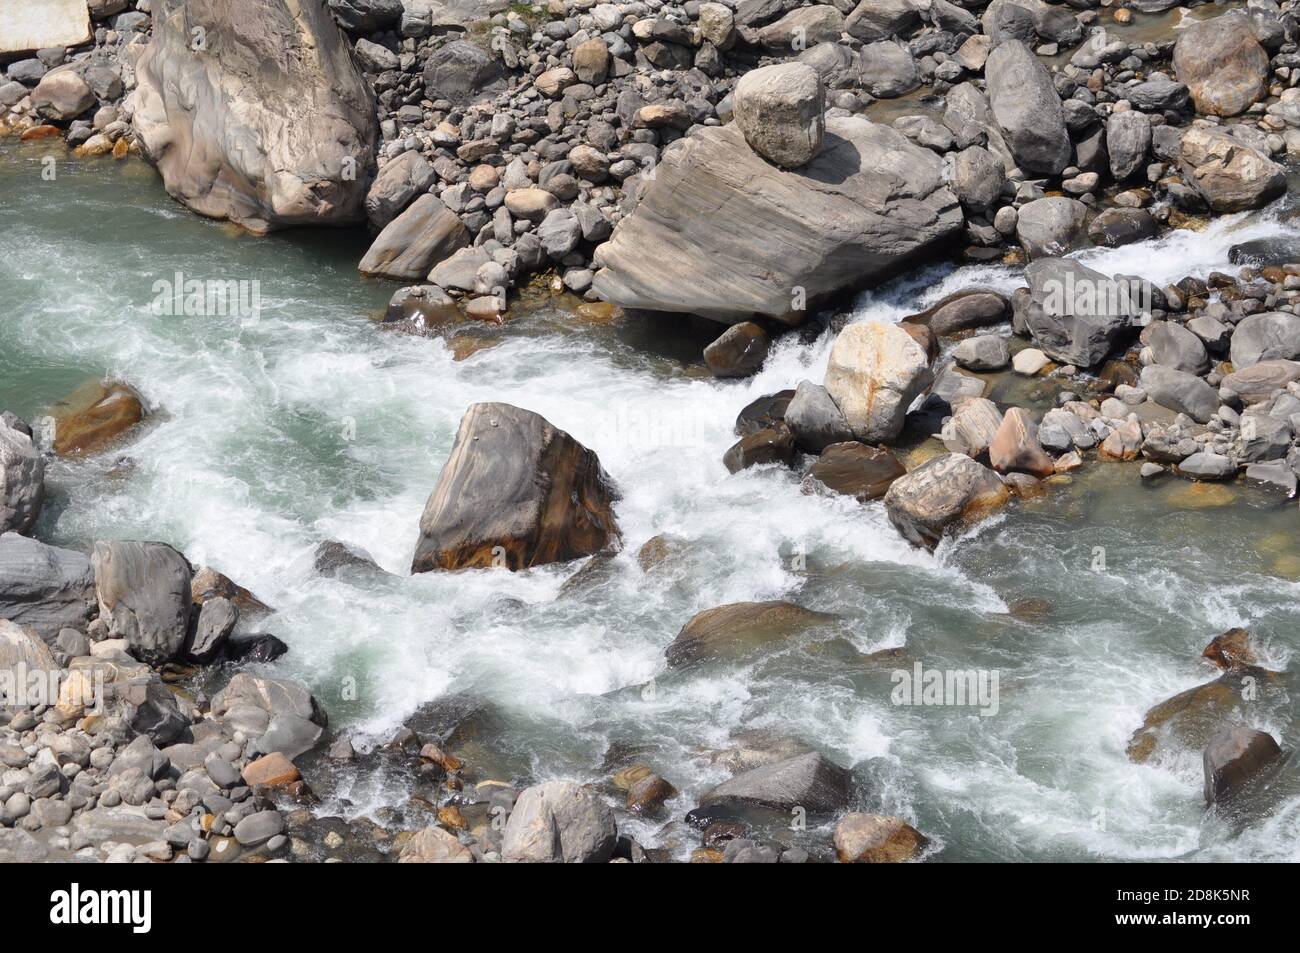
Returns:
(708, 159)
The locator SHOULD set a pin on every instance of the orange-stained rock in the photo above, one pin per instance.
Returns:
(273, 771)
(93, 415)
(1231, 649)
(1015, 446)
(877, 839)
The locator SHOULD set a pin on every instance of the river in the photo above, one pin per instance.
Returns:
(314, 423)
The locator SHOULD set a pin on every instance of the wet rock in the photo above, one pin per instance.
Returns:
(647, 795)
(1122, 226)
(1180, 391)
(1027, 109)
(207, 583)
(22, 480)
(1015, 447)
(272, 127)
(559, 822)
(516, 492)
(856, 470)
(93, 416)
(738, 352)
(333, 558)
(942, 492)
(416, 241)
(869, 200)
(964, 311)
(735, 630)
(1222, 63)
(877, 839)
(1231, 649)
(1192, 718)
(773, 444)
(780, 111)
(433, 845)
(810, 781)
(1233, 758)
(1229, 173)
(763, 413)
(875, 372)
(815, 419)
(144, 596)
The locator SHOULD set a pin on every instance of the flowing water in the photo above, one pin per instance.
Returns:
(314, 423)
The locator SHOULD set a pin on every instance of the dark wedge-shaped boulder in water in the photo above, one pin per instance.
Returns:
(516, 492)
(854, 469)
(1234, 757)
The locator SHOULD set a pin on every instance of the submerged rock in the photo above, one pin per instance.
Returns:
(734, 630)
(516, 492)
(1191, 719)
(856, 470)
(271, 125)
(1231, 649)
(869, 203)
(738, 352)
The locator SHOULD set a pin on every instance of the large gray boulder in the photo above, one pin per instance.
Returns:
(398, 183)
(559, 822)
(516, 492)
(366, 16)
(876, 371)
(1273, 335)
(1222, 63)
(868, 204)
(946, 491)
(144, 596)
(1074, 314)
(810, 781)
(22, 480)
(1050, 225)
(873, 20)
(1180, 391)
(779, 109)
(1128, 140)
(267, 122)
(1027, 109)
(415, 242)
(1229, 172)
(44, 588)
(461, 71)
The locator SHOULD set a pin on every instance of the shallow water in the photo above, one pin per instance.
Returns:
(313, 423)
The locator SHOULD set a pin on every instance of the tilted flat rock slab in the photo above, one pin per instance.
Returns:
(30, 25)
(268, 123)
(723, 233)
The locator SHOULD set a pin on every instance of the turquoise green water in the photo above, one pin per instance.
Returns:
(314, 424)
